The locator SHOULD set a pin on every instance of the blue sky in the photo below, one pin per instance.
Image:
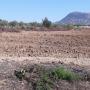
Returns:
(36, 10)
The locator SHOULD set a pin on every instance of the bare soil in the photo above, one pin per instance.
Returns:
(50, 43)
(20, 49)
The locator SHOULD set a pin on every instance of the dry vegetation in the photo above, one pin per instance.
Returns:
(19, 50)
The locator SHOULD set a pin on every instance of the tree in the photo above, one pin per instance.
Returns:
(22, 25)
(46, 22)
(13, 23)
(36, 24)
(3, 23)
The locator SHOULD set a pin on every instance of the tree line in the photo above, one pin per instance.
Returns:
(22, 25)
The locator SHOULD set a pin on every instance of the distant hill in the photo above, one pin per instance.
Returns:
(76, 18)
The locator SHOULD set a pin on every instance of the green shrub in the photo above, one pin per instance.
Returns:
(45, 83)
(61, 73)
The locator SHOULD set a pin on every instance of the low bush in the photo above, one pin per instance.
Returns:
(69, 27)
(61, 73)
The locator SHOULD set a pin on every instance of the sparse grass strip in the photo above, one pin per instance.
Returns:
(45, 79)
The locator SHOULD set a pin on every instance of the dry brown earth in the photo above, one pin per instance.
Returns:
(39, 43)
(29, 47)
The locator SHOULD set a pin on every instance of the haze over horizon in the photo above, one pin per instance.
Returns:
(32, 10)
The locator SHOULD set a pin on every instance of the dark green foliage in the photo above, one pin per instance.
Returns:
(20, 74)
(46, 23)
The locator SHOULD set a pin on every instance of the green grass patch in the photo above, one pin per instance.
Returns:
(64, 74)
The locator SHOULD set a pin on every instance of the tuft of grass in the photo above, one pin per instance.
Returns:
(45, 83)
(61, 73)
